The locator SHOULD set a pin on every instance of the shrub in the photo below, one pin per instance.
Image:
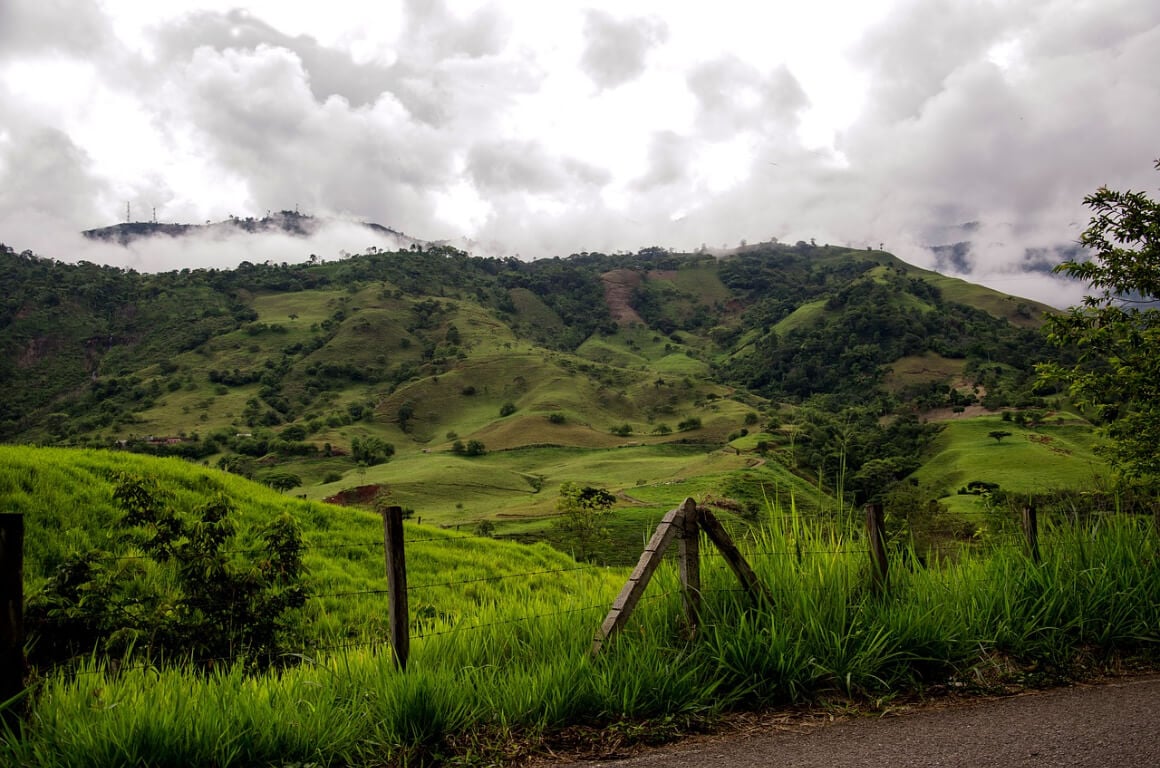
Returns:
(201, 604)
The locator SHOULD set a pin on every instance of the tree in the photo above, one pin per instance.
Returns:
(283, 481)
(583, 510)
(1115, 332)
(998, 435)
(371, 450)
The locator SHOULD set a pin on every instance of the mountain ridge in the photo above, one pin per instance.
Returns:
(284, 222)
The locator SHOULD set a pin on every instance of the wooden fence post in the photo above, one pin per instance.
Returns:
(671, 525)
(1031, 531)
(876, 534)
(716, 533)
(690, 556)
(11, 614)
(397, 585)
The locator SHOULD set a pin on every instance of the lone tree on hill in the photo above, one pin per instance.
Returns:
(583, 511)
(998, 434)
(1116, 330)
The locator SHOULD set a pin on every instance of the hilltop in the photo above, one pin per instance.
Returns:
(282, 222)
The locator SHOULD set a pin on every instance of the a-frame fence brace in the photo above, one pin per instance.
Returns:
(684, 523)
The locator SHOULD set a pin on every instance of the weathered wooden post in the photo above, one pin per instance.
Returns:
(718, 536)
(690, 556)
(1031, 531)
(397, 584)
(672, 524)
(11, 614)
(876, 535)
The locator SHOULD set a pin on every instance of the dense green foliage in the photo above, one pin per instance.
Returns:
(188, 597)
(1117, 329)
(872, 317)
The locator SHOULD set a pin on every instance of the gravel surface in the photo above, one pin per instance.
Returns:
(1114, 723)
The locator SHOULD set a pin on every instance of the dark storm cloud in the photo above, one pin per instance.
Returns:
(71, 27)
(615, 50)
(429, 36)
(258, 117)
(45, 175)
(500, 167)
(46, 181)
(331, 72)
(668, 161)
(733, 96)
(920, 45)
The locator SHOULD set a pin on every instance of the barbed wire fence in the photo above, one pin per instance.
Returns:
(687, 525)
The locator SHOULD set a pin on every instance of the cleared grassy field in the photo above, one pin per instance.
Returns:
(1051, 456)
(920, 369)
(448, 489)
(802, 317)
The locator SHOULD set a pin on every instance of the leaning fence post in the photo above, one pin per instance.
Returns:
(672, 524)
(1031, 531)
(690, 557)
(876, 534)
(11, 613)
(397, 584)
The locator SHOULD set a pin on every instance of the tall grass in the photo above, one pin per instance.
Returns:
(521, 668)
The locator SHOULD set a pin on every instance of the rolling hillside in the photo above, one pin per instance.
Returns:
(468, 389)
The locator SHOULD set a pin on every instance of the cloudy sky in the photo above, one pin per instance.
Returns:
(538, 128)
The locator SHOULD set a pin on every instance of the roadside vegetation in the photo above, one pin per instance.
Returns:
(512, 678)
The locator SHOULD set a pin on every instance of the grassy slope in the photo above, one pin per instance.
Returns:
(1054, 455)
(65, 496)
(919, 369)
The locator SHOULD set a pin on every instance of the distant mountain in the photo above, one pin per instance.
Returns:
(953, 248)
(283, 222)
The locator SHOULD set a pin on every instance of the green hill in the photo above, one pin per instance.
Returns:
(627, 371)
(1056, 454)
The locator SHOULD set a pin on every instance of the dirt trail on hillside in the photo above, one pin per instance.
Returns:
(618, 287)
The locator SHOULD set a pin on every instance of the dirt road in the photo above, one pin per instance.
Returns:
(1093, 726)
